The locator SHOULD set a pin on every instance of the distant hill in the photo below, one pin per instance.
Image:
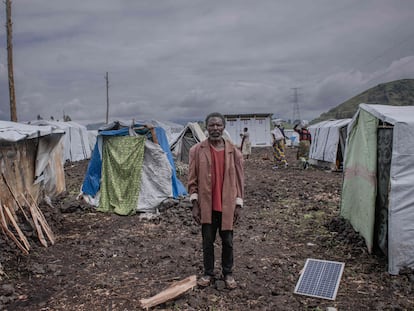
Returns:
(395, 93)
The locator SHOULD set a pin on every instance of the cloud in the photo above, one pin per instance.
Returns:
(180, 60)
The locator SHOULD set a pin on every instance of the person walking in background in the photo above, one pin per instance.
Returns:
(246, 146)
(278, 144)
(305, 140)
(216, 188)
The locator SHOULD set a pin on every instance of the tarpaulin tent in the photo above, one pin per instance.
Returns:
(378, 187)
(189, 136)
(328, 143)
(131, 169)
(75, 141)
(92, 139)
(30, 162)
(172, 130)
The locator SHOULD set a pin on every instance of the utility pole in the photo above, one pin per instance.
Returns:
(107, 97)
(296, 113)
(13, 113)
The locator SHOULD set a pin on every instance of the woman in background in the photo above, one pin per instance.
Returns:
(246, 145)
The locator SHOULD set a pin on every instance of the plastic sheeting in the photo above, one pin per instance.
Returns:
(157, 174)
(359, 185)
(13, 131)
(401, 192)
(156, 185)
(121, 174)
(326, 139)
(30, 161)
(189, 136)
(49, 168)
(75, 141)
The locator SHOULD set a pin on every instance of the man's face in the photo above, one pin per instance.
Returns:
(215, 128)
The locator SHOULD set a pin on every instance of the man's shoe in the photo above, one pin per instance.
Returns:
(204, 281)
(230, 282)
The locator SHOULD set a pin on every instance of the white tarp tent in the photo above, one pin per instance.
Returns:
(379, 163)
(328, 142)
(189, 136)
(75, 141)
(92, 134)
(172, 130)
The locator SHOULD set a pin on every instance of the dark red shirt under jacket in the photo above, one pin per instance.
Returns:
(217, 177)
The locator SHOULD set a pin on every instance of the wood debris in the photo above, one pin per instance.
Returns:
(176, 289)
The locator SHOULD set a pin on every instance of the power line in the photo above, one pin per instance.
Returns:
(401, 42)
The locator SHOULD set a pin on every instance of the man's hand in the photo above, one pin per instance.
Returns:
(237, 214)
(196, 212)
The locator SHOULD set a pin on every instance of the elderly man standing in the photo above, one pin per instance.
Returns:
(216, 187)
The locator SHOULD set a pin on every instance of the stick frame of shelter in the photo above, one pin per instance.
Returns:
(16, 227)
(42, 220)
(37, 226)
(15, 199)
(6, 230)
(176, 289)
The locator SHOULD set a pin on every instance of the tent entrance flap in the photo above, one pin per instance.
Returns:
(359, 185)
(383, 185)
(122, 161)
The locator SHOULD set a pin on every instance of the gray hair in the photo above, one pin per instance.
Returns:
(216, 115)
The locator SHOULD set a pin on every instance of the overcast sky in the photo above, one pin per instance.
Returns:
(181, 59)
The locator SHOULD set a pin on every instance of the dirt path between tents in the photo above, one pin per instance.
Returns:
(109, 262)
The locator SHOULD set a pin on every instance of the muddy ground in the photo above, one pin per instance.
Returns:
(109, 262)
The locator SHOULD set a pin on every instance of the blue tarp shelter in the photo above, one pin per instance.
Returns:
(159, 179)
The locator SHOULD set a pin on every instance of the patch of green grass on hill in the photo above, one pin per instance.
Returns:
(395, 93)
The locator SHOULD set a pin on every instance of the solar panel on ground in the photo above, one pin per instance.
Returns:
(320, 278)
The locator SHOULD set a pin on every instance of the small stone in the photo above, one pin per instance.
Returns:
(220, 285)
(7, 289)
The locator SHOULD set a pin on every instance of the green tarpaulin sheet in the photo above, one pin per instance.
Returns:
(360, 182)
(122, 159)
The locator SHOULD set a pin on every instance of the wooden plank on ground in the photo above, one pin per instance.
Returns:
(176, 289)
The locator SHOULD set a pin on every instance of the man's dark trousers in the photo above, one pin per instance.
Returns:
(209, 232)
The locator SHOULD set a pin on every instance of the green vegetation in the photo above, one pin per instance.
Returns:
(395, 93)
